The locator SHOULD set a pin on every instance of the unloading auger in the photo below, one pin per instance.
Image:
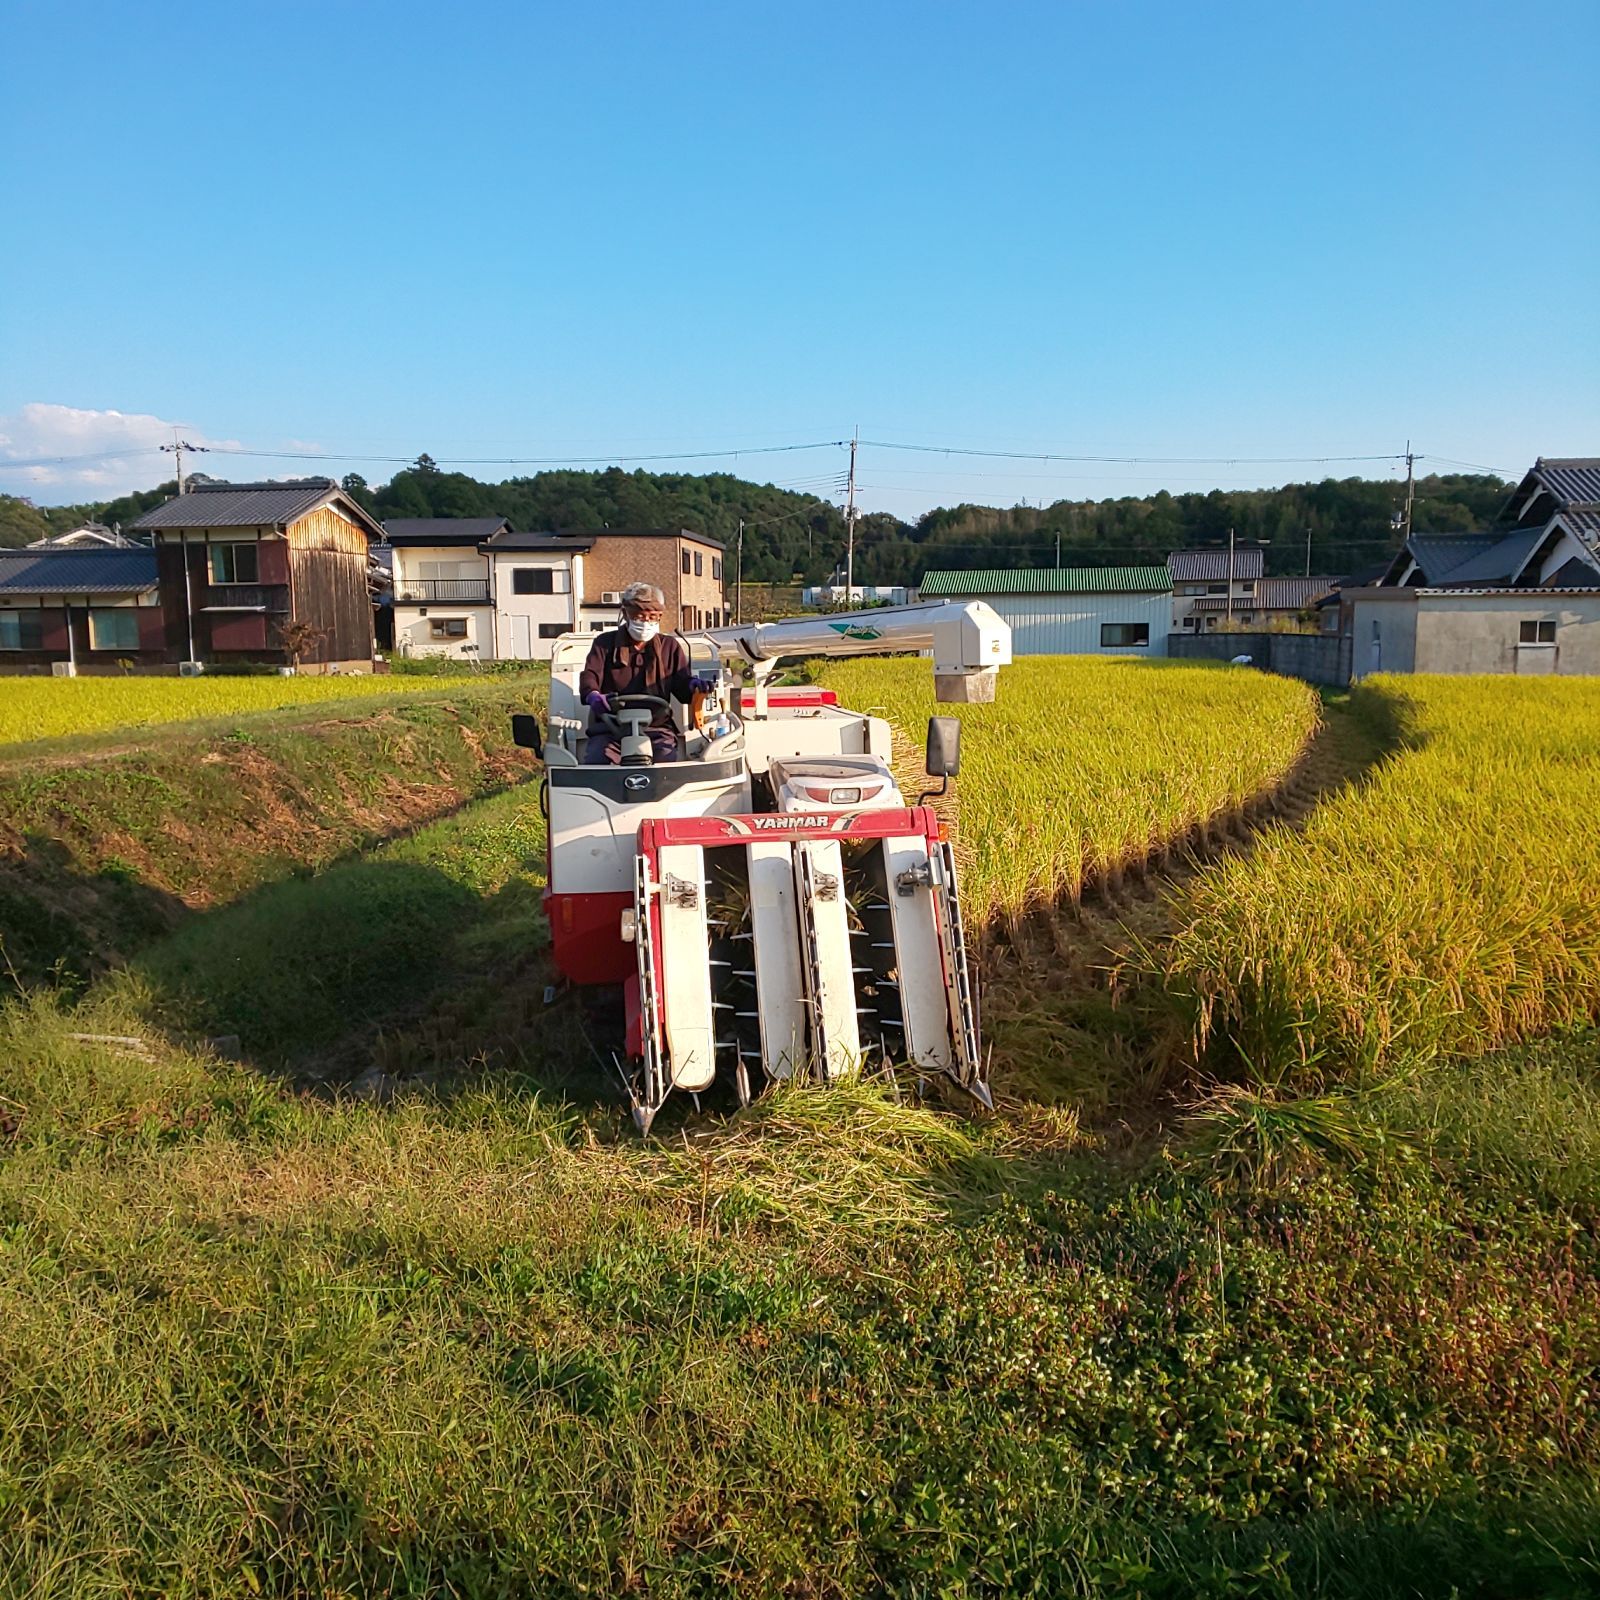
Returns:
(769, 904)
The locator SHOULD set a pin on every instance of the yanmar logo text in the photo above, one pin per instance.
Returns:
(795, 819)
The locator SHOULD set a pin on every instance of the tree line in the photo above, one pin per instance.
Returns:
(1351, 523)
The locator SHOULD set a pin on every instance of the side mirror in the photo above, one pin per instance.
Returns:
(525, 733)
(944, 747)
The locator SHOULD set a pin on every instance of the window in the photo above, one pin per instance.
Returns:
(598, 627)
(552, 630)
(1537, 633)
(1216, 588)
(1194, 588)
(234, 563)
(699, 565)
(21, 630)
(685, 559)
(447, 627)
(688, 613)
(716, 568)
(1247, 616)
(1247, 586)
(1123, 635)
(1189, 623)
(540, 580)
(118, 628)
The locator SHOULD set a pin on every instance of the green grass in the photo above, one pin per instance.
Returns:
(476, 1341)
(463, 1346)
(101, 853)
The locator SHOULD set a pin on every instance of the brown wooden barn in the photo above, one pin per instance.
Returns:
(273, 572)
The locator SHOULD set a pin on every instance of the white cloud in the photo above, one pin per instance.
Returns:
(63, 454)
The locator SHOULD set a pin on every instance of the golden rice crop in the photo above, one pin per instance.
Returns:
(48, 708)
(1084, 766)
(1449, 904)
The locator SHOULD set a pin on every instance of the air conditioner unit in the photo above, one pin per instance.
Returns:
(63, 669)
(611, 597)
(191, 669)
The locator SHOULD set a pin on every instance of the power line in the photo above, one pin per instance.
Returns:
(1196, 461)
(534, 461)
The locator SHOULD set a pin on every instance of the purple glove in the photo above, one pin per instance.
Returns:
(702, 685)
(599, 702)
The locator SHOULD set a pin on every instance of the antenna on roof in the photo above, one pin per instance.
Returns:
(177, 447)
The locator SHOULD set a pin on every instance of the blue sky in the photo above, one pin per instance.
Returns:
(1118, 229)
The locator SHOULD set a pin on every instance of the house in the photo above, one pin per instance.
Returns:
(547, 584)
(1522, 598)
(440, 577)
(79, 610)
(858, 594)
(89, 536)
(1070, 610)
(1225, 581)
(1274, 603)
(241, 564)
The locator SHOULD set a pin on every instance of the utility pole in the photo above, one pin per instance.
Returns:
(176, 449)
(1411, 486)
(1308, 551)
(738, 576)
(1058, 549)
(850, 524)
(1230, 577)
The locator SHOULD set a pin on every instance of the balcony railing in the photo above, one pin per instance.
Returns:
(442, 591)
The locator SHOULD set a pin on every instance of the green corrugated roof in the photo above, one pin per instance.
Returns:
(1050, 580)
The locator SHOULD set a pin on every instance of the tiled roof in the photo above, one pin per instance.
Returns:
(1572, 480)
(131, 571)
(1271, 594)
(250, 505)
(442, 530)
(1211, 566)
(1049, 580)
(1501, 562)
(1441, 553)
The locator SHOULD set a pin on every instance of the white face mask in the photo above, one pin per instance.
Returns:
(643, 632)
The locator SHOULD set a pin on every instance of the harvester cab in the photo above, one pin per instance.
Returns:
(768, 903)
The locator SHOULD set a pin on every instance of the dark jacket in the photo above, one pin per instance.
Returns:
(617, 665)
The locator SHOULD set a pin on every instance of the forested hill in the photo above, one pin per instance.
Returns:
(788, 535)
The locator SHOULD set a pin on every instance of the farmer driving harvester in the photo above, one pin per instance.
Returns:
(635, 659)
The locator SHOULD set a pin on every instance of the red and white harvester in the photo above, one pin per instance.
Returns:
(770, 904)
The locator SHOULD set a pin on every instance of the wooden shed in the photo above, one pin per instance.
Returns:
(273, 572)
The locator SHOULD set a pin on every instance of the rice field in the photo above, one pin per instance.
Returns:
(1448, 905)
(51, 708)
(1084, 767)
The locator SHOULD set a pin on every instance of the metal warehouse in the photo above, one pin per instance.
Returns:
(1071, 611)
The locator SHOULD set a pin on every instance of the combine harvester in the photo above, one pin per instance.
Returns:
(769, 903)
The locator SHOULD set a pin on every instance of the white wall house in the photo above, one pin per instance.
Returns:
(443, 604)
(1521, 599)
(1099, 611)
(537, 582)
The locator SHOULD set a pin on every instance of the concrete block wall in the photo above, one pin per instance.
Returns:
(1322, 658)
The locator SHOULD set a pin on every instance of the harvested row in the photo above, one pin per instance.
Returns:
(1449, 905)
(50, 708)
(1084, 768)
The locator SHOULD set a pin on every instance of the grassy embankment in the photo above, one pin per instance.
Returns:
(105, 844)
(252, 1341)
